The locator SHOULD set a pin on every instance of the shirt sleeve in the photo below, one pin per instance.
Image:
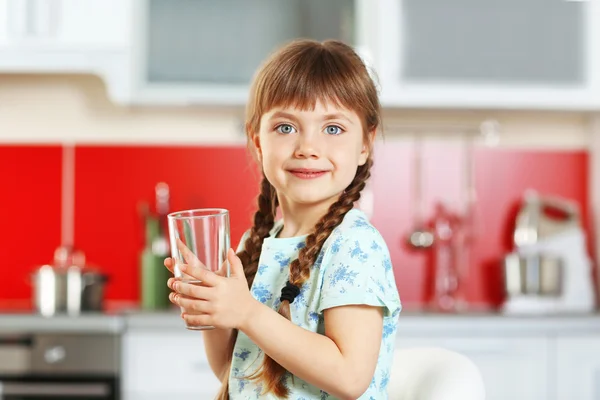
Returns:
(357, 270)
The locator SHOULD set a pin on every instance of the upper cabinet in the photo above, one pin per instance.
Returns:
(67, 36)
(494, 53)
(516, 54)
(63, 25)
(207, 51)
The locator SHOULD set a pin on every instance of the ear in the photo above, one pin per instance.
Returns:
(255, 140)
(367, 147)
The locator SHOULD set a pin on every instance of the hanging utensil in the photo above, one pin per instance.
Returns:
(420, 237)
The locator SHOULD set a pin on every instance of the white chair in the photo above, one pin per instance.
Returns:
(430, 373)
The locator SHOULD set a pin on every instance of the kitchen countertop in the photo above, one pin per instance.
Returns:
(416, 323)
(90, 323)
(410, 323)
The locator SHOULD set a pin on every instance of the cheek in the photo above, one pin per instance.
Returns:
(270, 161)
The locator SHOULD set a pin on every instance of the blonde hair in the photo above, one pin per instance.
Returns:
(299, 75)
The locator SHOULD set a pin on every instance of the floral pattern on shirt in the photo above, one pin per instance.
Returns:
(353, 267)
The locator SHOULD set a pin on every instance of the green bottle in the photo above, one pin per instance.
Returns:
(154, 290)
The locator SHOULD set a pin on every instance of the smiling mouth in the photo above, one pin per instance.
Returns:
(307, 173)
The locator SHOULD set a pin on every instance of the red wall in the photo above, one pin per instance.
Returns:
(112, 180)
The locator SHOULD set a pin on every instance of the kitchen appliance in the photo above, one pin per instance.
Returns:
(549, 270)
(533, 274)
(66, 366)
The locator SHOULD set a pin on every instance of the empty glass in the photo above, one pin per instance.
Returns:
(205, 232)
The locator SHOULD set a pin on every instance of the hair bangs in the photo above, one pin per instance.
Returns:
(308, 73)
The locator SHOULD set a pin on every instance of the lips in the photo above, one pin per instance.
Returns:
(307, 173)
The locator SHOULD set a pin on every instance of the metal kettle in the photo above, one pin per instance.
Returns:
(68, 285)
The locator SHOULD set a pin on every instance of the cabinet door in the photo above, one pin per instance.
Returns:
(512, 368)
(64, 25)
(167, 363)
(94, 24)
(578, 368)
(207, 50)
(490, 53)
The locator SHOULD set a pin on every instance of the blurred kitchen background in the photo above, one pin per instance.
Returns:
(486, 181)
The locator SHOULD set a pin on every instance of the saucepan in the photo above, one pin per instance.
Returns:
(68, 285)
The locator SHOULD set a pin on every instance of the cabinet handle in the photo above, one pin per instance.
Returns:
(43, 17)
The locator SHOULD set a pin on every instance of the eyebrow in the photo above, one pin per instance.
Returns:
(282, 114)
(327, 117)
(338, 116)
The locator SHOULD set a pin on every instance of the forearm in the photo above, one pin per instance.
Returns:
(217, 344)
(310, 356)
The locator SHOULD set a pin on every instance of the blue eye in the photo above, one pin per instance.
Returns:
(286, 129)
(333, 130)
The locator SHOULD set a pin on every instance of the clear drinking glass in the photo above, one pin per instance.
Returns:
(205, 232)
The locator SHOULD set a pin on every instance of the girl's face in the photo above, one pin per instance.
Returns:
(310, 157)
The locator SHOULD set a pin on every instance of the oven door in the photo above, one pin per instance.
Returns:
(74, 388)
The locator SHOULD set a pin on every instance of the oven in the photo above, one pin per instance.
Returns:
(82, 366)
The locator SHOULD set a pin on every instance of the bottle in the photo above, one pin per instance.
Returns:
(154, 290)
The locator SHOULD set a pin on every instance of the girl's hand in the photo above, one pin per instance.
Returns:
(218, 301)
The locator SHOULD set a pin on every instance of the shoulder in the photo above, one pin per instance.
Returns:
(356, 267)
(276, 227)
(356, 238)
(356, 227)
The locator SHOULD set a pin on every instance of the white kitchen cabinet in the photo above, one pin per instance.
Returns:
(512, 368)
(206, 52)
(68, 36)
(532, 54)
(578, 368)
(64, 25)
(166, 363)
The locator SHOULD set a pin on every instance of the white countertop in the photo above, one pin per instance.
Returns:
(410, 323)
(89, 323)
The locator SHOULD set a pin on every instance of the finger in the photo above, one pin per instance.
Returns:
(188, 255)
(181, 276)
(192, 290)
(208, 278)
(191, 305)
(171, 281)
(197, 320)
(222, 271)
(169, 264)
(237, 268)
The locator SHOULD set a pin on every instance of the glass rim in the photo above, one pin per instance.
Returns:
(198, 213)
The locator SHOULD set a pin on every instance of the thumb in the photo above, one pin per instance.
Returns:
(237, 268)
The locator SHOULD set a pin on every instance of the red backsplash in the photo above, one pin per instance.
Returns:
(111, 181)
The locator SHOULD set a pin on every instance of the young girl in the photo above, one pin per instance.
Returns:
(310, 308)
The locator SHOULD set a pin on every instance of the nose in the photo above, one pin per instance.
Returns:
(307, 146)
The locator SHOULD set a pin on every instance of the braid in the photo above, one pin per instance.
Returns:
(271, 372)
(264, 219)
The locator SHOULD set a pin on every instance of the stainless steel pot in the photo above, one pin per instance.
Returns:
(68, 286)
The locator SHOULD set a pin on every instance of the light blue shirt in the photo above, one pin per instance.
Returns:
(353, 267)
